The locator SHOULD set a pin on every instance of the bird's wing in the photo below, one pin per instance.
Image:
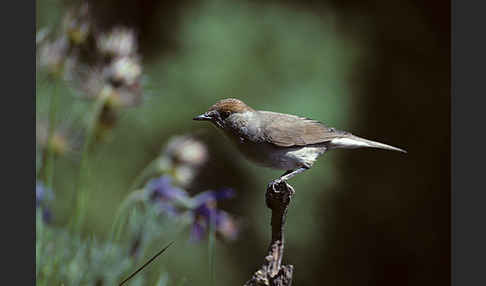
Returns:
(287, 130)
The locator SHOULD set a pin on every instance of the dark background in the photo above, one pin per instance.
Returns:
(385, 219)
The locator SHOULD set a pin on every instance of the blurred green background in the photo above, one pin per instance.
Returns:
(379, 69)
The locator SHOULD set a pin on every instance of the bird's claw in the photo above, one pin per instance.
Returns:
(273, 183)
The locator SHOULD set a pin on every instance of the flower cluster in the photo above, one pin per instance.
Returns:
(63, 141)
(42, 196)
(77, 24)
(201, 209)
(60, 56)
(123, 70)
(168, 197)
(53, 56)
(206, 214)
(182, 157)
(102, 65)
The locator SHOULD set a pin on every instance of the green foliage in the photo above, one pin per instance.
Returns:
(64, 258)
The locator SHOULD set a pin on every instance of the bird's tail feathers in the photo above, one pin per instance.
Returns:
(351, 142)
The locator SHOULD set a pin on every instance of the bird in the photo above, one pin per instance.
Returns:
(278, 140)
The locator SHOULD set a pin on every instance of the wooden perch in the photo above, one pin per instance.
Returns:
(272, 272)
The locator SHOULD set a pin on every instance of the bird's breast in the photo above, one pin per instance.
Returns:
(282, 158)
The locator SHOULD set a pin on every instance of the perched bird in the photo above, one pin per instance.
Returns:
(278, 140)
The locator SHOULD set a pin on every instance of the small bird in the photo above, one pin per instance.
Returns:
(280, 141)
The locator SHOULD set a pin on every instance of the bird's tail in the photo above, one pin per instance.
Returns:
(351, 142)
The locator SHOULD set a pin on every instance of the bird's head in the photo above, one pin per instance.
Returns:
(222, 110)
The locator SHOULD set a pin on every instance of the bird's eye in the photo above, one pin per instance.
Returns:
(224, 114)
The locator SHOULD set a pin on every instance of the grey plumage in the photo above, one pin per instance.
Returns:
(279, 140)
(286, 130)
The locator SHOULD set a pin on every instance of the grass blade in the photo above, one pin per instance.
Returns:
(146, 263)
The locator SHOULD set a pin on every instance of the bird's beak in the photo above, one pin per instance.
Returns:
(202, 117)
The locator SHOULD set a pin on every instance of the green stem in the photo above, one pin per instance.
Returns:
(81, 194)
(49, 155)
(39, 164)
(211, 248)
(117, 226)
(137, 182)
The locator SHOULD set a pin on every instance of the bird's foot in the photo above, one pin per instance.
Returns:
(273, 184)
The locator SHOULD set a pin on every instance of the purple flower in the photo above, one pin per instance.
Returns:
(161, 189)
(202, 208)
(39, 194)
(197, 231)
(46, 215)
(206, 212)
(209, 196)
(165, 194)
(43, 194)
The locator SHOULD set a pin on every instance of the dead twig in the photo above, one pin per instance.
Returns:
(272, 272)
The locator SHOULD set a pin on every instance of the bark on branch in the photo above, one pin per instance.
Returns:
(272, 272)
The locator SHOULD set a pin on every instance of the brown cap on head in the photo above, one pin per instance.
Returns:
(230, 105)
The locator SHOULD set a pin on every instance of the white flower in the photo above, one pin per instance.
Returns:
(120, 42)
(125, 70)
(187, 150)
